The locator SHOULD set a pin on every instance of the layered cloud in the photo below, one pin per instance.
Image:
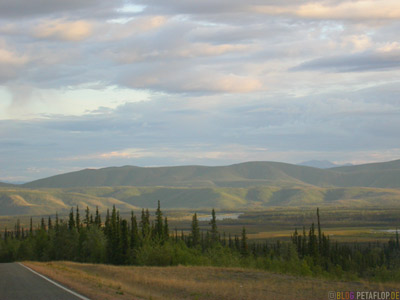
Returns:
(63, 30)
(367, 61)
(174, 82)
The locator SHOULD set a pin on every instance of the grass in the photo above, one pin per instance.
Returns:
(23, 201)
(198, 283)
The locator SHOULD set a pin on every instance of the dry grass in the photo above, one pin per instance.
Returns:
(156, 283)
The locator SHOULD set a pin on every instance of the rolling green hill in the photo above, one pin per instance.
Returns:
(22, 201)
(382, 175)
(251, 185)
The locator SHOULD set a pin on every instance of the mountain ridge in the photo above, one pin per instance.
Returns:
(258, 173)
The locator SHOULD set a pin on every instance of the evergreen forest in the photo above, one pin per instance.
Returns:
(148, 240)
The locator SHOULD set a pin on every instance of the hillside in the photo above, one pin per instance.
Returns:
(251, 185)
(21, 201)
(381, 175)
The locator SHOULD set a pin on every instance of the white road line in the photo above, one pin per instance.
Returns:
(55, 283)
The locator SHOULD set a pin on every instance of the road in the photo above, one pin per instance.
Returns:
(18, 283)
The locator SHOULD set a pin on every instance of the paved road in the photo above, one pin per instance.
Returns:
(18, 283)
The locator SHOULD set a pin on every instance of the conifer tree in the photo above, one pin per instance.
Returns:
(145, 223)
(166, 229)
(30, 227)
(214, 230)
(159, 222)
(243, 245)
(78, 219)
(124, 242)
(304, 243)
(319, 233)
(42, 224)
(57, 225)
(195, 231)
(49, 224)
(87, 217)
(17, 229)
(97, 219)
(107, 222)
(134, 242)
(312, 242)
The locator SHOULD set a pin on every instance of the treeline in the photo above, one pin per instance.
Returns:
(371, 260)
(148, 240)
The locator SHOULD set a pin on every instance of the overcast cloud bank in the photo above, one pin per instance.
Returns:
(95, 83)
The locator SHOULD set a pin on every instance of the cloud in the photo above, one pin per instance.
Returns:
(63, 30)
(112, 31)
(28, 8)
(220, 79)
(11, 63)
(198, 81)
(360, 62)
(351, 10)
(10, 58)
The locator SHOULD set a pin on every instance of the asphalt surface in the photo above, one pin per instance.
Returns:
(18, 283)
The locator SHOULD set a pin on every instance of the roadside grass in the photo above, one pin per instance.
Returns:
(98, 281)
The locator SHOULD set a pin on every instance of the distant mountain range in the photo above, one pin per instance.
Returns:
(251, 185)
(382, 175)
(321, 164)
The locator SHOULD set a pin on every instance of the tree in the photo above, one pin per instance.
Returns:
(214, 230)
(134, 242)
(166, 229)
(78, 219)
(159, 223)
(145, 223)
(30, 227)
(49, 224)
(87, 217)
(319, 233)
(195, 231)
(124, 242)
(244, 248)
(97, 219)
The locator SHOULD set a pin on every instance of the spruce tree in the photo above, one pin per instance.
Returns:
(319, 233)
(30, 227)
(42, 225)
(244, 249)
(78, 219)
(134, 242)
(195, 231)
(57, 226)
(124, 242)
(97, 219)
(214, 230)
(49, 224)
(87, 217)
(166, 229)
(159, 223)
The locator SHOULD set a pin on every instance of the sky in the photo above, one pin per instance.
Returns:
(94, 83)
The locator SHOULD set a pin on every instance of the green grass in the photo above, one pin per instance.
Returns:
(22, 201)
